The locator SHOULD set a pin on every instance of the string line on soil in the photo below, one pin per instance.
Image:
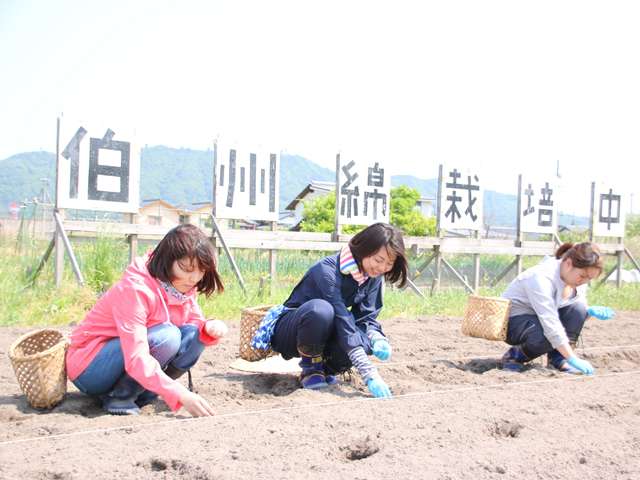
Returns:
(478, 357)
(497, 354)
(319, 405)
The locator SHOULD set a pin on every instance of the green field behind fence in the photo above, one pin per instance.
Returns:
(102, 261)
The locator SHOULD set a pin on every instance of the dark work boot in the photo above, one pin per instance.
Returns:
(174, 372)
(121, 399)
(330, 379)
(514, 359)
(312, 375)
(147, 397)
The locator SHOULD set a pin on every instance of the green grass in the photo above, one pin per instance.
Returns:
(103, 260)
(626, 297)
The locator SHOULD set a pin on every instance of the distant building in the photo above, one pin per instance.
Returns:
(159, 212)
(288, 219)
(427, 206)
(296, 206)
(200, 214)
(312, 190)
(501, 232)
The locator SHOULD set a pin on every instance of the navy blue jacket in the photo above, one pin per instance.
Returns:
(356, 307)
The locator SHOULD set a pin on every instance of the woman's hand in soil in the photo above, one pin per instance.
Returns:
(196, 405)
(601, 313)
(382, 349)
(216, 328)
(580, 364)
(378, 388)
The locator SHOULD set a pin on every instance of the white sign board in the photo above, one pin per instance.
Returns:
(98, 169)
(460, 199)
(247, 183)
(363, 193)
(538, 205)
(608, 211)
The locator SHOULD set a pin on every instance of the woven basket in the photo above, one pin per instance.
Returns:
(486, 317)
(249, 322)
(38, 359)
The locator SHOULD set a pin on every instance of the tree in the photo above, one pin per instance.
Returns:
(633, 226)
(319, 214)
(406, 217)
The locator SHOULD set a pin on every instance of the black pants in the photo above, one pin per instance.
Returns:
(310, 330)
(526, 330)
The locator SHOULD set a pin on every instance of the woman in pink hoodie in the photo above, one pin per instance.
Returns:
(148, 329)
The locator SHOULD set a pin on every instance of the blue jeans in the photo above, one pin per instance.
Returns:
(169, 345)
(526, 331)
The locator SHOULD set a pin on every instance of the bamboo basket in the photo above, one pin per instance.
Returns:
(249, 321)
(38, 360)
(486, 317)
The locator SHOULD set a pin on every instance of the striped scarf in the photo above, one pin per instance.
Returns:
(348, 266)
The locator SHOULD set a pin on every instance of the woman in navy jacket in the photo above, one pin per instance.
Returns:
(330, 318)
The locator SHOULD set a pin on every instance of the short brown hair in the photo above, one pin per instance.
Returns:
(582, 255)
(186, 241)
(368, 241)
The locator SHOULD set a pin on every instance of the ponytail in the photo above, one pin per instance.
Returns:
(582, 255)
(564, 248)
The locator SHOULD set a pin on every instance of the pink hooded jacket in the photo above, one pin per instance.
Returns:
(131, 306)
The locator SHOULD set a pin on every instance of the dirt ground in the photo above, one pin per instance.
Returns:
(454, 415)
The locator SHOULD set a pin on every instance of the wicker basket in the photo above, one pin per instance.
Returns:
(38, 359)
(249, 322)
(486, 317)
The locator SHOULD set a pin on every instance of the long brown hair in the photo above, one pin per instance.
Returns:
(582, 255)
(186, 241)
(373, 238)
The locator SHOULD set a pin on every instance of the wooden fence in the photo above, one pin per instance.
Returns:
(430, 249)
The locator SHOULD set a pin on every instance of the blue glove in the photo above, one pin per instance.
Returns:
(601, 313)
(382, 349)
(378, 388)
(579, 364)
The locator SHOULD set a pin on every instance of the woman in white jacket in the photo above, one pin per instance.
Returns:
(549, 308)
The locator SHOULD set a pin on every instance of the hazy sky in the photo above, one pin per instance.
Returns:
(507, 86)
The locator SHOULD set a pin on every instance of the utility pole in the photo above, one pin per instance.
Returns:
(44, 196)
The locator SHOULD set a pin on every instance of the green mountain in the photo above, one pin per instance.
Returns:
(178, 175)
(182, 177)
(20, 177)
